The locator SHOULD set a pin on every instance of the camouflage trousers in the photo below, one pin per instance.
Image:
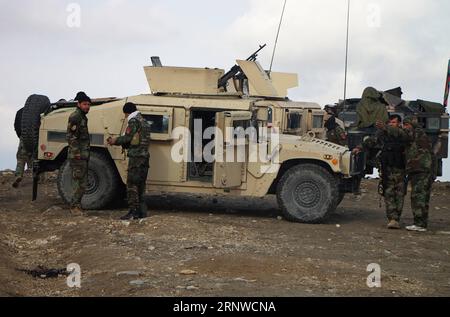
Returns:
(23, 158)
(421, 184)
(394, 193)
(137, 177)
(79, 181)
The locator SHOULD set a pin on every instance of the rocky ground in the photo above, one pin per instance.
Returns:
(205, 246)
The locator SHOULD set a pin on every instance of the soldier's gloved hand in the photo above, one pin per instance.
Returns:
(111, 141)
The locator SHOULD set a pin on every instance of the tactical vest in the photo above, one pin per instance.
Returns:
(393, 154)
(141, 141)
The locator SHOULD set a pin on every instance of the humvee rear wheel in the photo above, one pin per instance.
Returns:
(307, 193)
(104, 184)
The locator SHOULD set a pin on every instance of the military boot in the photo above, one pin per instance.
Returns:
(143, 211)
(17, 182)
(131, 215)
(394, 225)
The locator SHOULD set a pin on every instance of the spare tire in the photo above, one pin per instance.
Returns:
(31, 121)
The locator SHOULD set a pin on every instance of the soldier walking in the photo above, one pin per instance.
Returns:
(79, 151)
(391, 160)
(137, 141)
(23, 157)
(419, 167)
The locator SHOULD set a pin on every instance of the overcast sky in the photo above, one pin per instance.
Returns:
(393, 43)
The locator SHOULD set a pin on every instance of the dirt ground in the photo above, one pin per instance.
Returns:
(206, 246)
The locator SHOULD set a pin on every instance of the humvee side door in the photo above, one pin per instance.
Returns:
(231, 150)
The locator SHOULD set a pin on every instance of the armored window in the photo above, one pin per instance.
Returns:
(270, 112)
(159, 123)
(294, 121)
(433, 123)
(317, 122)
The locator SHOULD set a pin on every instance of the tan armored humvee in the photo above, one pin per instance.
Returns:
(309, 175)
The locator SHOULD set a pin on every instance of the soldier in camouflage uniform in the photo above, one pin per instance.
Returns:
(419, 167)
(23, 157)
(391, 160)
(79, 150)
(335, 134)
(137, 141)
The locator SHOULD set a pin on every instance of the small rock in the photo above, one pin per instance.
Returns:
(53, 209)
(192, 288)
(151, 248)
(279, 218)
(126, 223)
(137, 283)
(129, 273)
(338, 226)
(240, 279)
(188, 272)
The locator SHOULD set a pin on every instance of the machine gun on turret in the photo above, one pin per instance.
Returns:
(236, 70)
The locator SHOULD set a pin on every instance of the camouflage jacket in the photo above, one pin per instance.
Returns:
(78, 136)
(136, 138)
(337, 136)
(419, 155)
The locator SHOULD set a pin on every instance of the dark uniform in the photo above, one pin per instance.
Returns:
(419, 167)
(137, 141)
(79, 154)
(391, 162)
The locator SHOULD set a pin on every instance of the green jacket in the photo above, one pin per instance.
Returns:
(137, 137)
(337, 136)
(419, 153)
(78, 136)
(371, 109)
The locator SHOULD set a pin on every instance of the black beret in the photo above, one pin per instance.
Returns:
(82, 97)
(129, 108)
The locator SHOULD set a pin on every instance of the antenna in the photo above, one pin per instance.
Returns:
(447, 86)
(346, 52)
(278, 35)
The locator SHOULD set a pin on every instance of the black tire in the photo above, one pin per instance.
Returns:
(31, 121)
(307, 193)
(104, 183)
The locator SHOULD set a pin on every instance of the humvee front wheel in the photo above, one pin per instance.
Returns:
(104, 183)
(307, 193)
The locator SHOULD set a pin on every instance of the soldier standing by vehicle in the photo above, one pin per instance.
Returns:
(335, 133)
(79, 150)
(23, 157)
(137, 141)
(391, 159)
(419, 167)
